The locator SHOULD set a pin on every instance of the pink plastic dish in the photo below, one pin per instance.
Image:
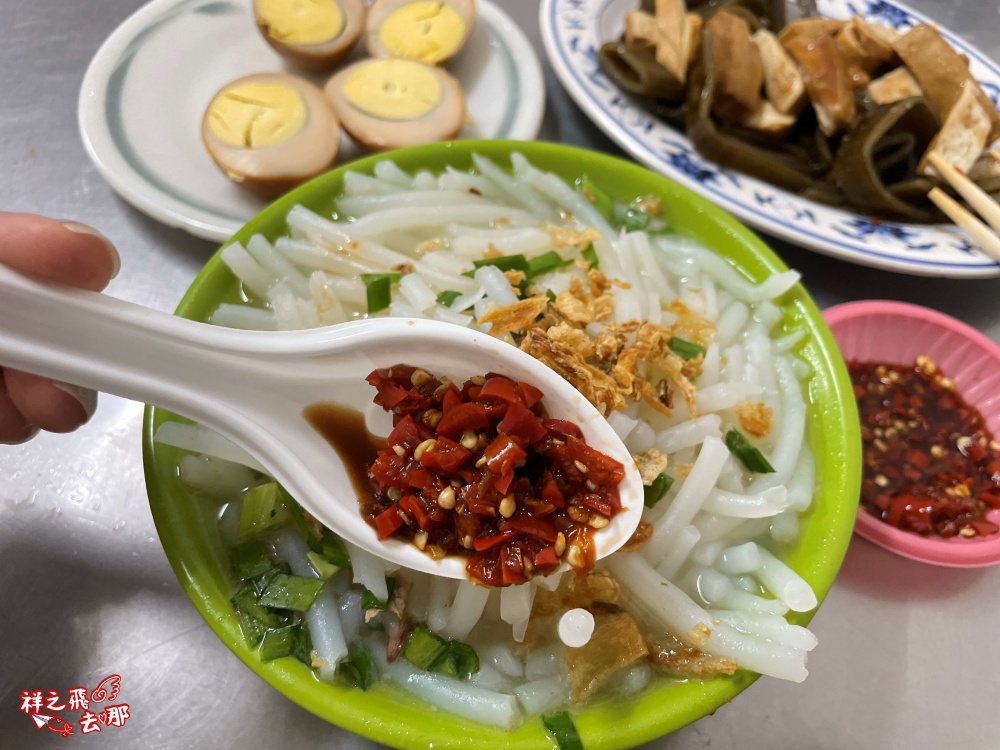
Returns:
(897, 332)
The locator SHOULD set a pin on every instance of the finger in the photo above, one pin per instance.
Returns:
(65, 252)
(56, 407)
(14, 428)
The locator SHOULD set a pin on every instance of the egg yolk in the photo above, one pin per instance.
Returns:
(255, 115)
(301, 21)
(425, 31)
(393, 89)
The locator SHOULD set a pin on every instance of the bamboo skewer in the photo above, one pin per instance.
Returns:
(977, 198)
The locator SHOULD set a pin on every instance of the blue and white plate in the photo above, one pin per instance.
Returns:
(146, 89)
(574, 30)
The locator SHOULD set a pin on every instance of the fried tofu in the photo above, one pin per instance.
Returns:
(783, 82)
(894, 86)
(942, 73)
(826, 78)
(739, 72)
(962, 136)
(862, 50)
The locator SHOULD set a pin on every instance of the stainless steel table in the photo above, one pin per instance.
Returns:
(909, 655)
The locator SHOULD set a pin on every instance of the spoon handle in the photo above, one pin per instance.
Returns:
(100, 342)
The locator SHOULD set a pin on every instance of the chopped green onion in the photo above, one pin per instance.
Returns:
(291, 592)
(249, 560)
(590, 255)
(752, 458)
(653, 493)
(685, 349)
(597, 197)
(561, 728)
(302, 644)
(544, 263)
(551, 295)
(323, 567)
(261, 582)
(378, 287)
(428, 651)
(296, 513)
(369, 600)
(503, 262)
(358, 669)
(635, 220)
(254, 619)
(263, 510)
(277, 643)
(332, 548)
(447, 297)
(423, 648)
(462, 660)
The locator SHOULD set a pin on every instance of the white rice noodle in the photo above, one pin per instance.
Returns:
(767, 314)
(710, 294)
(628, 304)
(747, 602)
(441, 595)
(310, 256)
(213, 476)
(418, 218)
(457, 696)
(544, 662)
(710, 366)
(424, 180)
(360, 205)
(648, 266)
(322, 617)
(790, 433)
(292, 313)
(712, 586)
(198, 439)
(257, 279)
(327, 301)
(800, 367)
(309, 224)
(376, 252)
(785, 527)
(801, 486)
(447, 315)
(452, 179)
(789, 341)
(688, 500)
(496, 285)
(771, 627)
(352, 614)
(515, 607)
(466, 609)
(678, 554)
(229, 521)
(527, 241)
(727, 275)
(688, 434)
(622, 424)
(643, 438)
(488, 678)
(768, 503)
(732, 320)
(542, 695)
(725, 396)
(369, 570)
(561, 194)
(401, 309)
(785, 583)
(388, 171)
(517, 191)
(356, 183)
(243, 317)
(278, 265)
(742, 558)
(503, 659)
(759, 354)
(416, 292)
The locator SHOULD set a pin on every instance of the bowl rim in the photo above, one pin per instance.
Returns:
(948, 553)
(818, 554)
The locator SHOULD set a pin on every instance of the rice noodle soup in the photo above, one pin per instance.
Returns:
(686, 357)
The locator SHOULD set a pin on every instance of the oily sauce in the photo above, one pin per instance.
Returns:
(344, 429)
(931, 466)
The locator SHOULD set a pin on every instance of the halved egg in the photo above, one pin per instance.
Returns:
(391, 102)
(313, 34)
(431, 31)
(270, 132)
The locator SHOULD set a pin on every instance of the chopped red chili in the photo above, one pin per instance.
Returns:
(479, 471)
(931, 465)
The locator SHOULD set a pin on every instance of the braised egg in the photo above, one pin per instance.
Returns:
(270, 131)
(392, 102)
(431, 31)
(313, 34)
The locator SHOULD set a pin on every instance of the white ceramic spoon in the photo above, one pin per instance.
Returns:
(252, 387)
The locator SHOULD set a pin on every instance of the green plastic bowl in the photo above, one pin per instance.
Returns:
(188, 531)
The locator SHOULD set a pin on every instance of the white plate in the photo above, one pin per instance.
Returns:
(573, 31)
(147, 87)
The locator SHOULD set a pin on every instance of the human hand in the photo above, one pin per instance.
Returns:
(66, 253)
